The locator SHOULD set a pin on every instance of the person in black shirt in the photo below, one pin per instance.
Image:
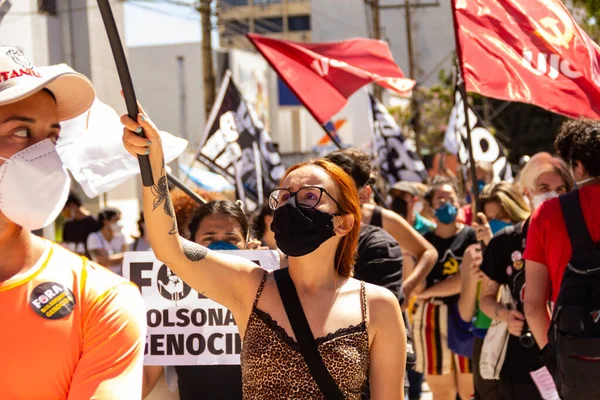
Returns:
(379, 261)
(79, 226)
(447, 373)
(544, 177)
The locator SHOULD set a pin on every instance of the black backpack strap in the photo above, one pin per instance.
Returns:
(304, 336)
(376, 218)
(579, 235)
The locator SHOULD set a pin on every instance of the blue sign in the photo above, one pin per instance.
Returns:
(286, 96)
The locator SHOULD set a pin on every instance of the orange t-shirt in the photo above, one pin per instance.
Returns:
(70, 329)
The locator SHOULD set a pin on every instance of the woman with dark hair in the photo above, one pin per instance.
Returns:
(107, 245)
(141, 242)
(262, 227)
(359, 327)
(218, 225)
(447, 372)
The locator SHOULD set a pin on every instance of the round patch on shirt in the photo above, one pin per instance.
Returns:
(52, 300)
(509, 270)
(516, 256)
(518, 265)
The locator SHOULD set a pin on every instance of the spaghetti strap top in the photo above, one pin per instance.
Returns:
(273, 366)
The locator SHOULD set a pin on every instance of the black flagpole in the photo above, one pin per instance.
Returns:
(126, 83)
(176, 182)
(463, 95)
(130, 99)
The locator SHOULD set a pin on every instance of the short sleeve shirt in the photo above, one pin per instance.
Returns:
(503, 260)
(77, 331)
(97, 241)
(548, 241)
(379, 259)
(504, 264)
(450, 254)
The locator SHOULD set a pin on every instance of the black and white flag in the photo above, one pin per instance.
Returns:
(237, 146)
(485, 146)
(396, 154)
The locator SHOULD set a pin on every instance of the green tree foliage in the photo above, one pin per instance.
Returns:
(587, 12)
(432, 105)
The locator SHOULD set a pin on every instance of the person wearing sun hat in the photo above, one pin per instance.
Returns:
(407, 200)
(69, 328)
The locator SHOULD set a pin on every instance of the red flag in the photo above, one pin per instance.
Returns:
(324, 75)
(529, 51)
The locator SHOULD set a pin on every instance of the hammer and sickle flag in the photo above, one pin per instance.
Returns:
(528, 51)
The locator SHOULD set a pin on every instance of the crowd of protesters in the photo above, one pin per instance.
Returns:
(457, 272)
(478, 297)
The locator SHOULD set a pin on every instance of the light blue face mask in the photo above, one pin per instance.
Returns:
(446, 213)
(222, 245)
(496, 225)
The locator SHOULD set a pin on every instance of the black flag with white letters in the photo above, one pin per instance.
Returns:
(485, 146)
(396, 154)
(237, 146)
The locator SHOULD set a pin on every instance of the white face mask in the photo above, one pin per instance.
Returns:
(418, 207)
(116, 228)
(34, 186)
(540, 198)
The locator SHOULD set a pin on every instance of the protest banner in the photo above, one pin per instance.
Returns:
(184, 327)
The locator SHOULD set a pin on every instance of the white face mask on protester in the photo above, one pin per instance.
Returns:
(117, 228)
(540, 198)
(418, 207)
(34, 186)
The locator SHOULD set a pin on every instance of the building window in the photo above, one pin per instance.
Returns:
(47, 7)
(236, 2)
(269, 25)
(235, 28)
(299, 23)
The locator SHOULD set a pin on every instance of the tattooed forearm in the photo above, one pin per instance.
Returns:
(193, 251)
(161, 196)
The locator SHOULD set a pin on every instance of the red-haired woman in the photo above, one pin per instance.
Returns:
(358, 327)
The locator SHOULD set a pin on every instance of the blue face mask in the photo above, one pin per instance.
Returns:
(496, 225)
(446, 213)
(222, 245)
(480, 185)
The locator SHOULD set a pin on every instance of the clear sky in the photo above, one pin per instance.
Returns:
(155, 22)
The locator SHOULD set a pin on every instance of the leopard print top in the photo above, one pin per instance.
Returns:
(274, 368)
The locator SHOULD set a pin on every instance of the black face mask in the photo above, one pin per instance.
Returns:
(300, 231)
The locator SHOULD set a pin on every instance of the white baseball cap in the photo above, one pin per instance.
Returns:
(74, 93)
